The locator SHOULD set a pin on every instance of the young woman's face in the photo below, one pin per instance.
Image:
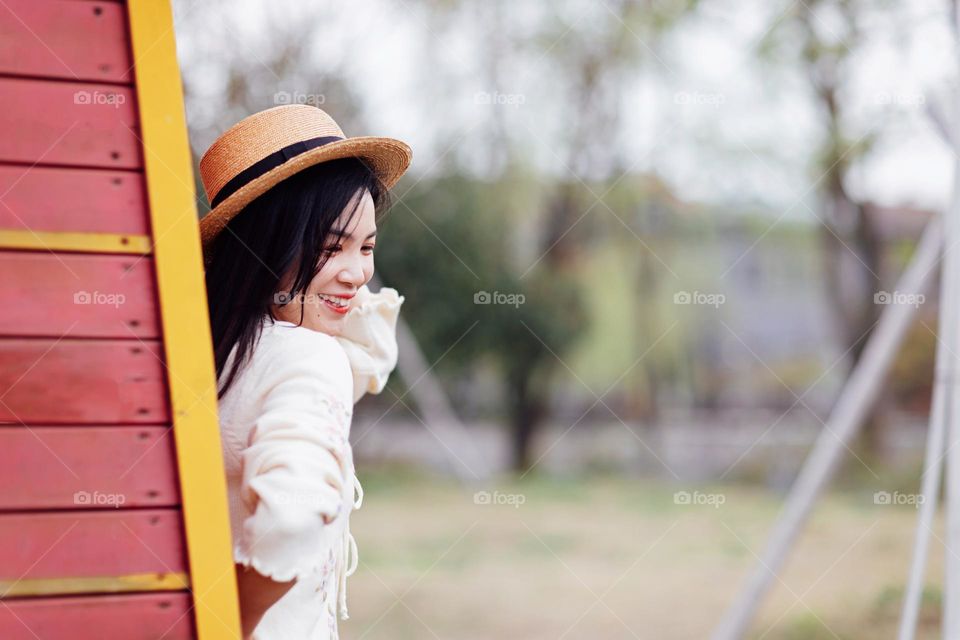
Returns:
(349, 266)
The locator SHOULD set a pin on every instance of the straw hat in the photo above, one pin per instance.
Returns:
(264, 148)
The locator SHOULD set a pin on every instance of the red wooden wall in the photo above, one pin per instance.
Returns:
(91, 531)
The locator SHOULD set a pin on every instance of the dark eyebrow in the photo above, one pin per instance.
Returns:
(349, 236)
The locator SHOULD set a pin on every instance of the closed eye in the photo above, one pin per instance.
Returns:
(367, 249)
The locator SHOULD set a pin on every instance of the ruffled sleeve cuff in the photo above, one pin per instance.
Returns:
(369, 338)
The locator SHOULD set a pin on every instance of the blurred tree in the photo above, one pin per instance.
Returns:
(821, 35)
(586, 54)
(593, 62)
(449, 247)
(590, 55)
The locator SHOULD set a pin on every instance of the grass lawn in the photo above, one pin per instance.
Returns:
(612, 557)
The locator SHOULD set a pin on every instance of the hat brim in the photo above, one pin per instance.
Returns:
(387, 158)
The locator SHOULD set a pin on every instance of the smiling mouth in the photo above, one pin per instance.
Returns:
(336, 304)
(335, 300)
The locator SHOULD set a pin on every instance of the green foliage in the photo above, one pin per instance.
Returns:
(448, 240)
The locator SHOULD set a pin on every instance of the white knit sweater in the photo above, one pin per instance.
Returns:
(285, 425)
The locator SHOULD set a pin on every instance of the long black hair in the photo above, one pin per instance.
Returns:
(282, 231)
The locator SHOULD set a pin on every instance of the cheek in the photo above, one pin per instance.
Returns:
(326, 275)
(368, 267)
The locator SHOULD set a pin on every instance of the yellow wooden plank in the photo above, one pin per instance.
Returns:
(95, 584)
(74, 241)
(186, 328)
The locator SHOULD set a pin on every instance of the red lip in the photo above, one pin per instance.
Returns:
(341, 295)
(344, 310)
(338, 310)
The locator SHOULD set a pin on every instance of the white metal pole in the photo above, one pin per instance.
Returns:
(932, 472)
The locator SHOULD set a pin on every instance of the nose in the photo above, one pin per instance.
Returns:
(352, 273)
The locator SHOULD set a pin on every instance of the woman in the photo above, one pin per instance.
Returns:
(298, 338)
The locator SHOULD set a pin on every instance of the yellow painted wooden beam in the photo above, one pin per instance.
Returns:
(75, 241)
(95, 584)
(186, 328)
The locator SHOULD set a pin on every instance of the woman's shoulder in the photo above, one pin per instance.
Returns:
(285, 349)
